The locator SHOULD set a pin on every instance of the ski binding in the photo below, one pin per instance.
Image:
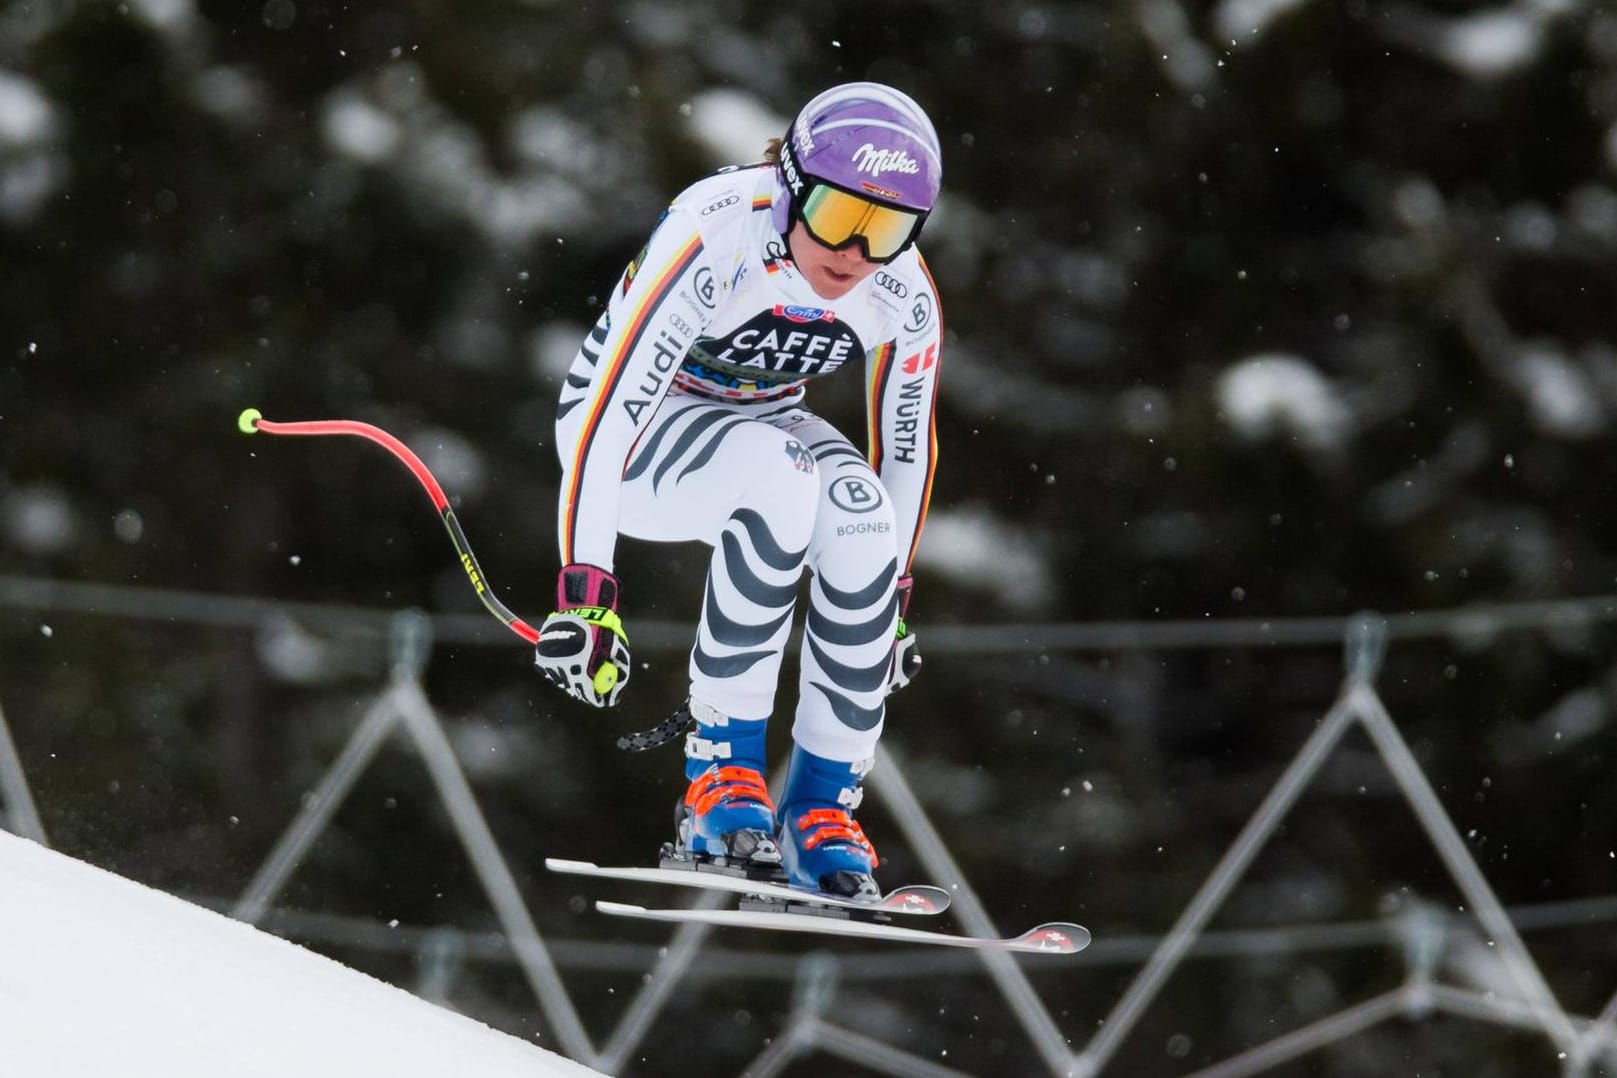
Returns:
(774, 892)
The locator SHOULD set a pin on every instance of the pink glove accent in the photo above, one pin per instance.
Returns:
(586, 585)
(906, 588)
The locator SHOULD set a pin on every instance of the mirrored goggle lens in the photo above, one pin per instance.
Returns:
(834, 217)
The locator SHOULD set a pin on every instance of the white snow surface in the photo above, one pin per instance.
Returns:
(103, 976)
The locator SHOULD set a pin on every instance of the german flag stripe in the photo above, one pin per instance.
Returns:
(615, 363)
(881, 371)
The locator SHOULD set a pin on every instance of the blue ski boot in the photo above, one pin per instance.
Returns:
(821, 847)
(726, 816)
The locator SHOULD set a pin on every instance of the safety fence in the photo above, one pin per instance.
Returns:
(1418, 937)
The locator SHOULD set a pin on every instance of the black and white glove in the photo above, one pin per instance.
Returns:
(582, 647)
(906, 652)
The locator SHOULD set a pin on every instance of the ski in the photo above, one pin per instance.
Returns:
(912, 899)
(1056, 937)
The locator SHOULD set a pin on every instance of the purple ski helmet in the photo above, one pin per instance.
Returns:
(865, 140)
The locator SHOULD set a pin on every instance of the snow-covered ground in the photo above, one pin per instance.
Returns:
(103, 976)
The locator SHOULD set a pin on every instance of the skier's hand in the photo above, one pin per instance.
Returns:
(582, 646)
(906, 651)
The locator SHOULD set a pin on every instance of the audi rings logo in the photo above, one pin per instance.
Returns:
(720, 204)
(888, 283)
(855, 494)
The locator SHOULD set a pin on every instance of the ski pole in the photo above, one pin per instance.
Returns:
(252, 420)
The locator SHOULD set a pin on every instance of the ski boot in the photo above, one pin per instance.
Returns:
(821, 847)
(726, 817)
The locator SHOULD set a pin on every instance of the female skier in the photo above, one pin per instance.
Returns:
(682, 418)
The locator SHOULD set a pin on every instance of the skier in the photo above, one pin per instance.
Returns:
(682, 418)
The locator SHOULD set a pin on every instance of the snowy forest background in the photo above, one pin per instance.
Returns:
(1256, 311)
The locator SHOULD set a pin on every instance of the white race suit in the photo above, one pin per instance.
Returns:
(682, 419)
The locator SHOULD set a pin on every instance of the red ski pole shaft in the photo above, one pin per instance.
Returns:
(252, 420)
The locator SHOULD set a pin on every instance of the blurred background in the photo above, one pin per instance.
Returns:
(1259, 313)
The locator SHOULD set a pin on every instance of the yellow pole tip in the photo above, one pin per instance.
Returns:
(247, 422)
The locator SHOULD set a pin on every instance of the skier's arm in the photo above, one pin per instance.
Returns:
(903, 389)
(654, 314)
(901, 398)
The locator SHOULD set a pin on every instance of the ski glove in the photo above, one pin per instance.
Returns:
(582, 646)
(906, 654)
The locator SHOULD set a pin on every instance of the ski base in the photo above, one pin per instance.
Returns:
(1056, 937)
(775, 893)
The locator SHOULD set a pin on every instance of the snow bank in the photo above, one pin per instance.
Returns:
(100, 975)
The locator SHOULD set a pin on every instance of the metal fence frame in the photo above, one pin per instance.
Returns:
(1418, 938)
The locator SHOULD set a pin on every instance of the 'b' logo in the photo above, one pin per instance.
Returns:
(705, 290)
(855, 495)
(920, 312)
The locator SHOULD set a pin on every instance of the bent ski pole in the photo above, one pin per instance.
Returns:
(252, 420)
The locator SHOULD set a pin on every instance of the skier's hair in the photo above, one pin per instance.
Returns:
(772, 151)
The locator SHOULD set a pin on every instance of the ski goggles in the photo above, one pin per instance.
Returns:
(836, 218)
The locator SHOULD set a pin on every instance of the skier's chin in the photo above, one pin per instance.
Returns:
(834, 284)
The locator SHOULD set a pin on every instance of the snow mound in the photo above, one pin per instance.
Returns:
(101, 975)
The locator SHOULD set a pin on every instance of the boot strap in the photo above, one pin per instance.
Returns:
(718, 785)
(833, 825)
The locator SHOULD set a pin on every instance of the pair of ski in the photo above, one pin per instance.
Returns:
(770, 904)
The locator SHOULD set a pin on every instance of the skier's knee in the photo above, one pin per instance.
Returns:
(860, 514)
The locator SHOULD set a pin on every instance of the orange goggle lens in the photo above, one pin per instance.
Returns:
(835, 217)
